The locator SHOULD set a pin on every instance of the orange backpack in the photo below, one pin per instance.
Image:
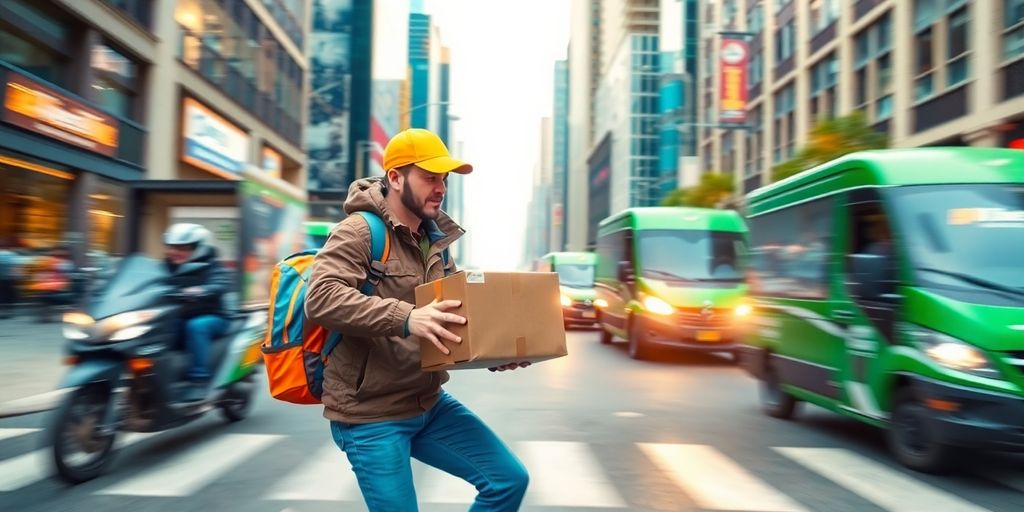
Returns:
(295, 350)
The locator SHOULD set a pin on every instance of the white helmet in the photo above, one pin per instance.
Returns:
(186, 234)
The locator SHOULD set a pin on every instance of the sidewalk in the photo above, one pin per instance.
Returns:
(31, 366)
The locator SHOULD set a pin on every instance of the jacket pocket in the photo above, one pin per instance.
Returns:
(361, 375)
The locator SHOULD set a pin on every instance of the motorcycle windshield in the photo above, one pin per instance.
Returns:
(139, 282)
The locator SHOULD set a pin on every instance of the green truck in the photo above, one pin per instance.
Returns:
(672, 276)
(889, 288)
(576, 279)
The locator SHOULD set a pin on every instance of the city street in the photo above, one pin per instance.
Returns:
(597, 430)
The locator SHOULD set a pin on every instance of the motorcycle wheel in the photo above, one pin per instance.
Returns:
(80, 451)
(237, 401)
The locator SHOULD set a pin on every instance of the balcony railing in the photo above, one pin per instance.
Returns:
(224, 73)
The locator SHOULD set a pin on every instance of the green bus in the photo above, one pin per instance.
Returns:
(890, 289)
(317, 233)
(576, 279)
(672, 276)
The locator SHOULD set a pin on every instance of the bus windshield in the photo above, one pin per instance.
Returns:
(692, 255)
(575, 275)
(964, 235)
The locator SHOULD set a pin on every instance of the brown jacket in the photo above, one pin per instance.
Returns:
(374, 374)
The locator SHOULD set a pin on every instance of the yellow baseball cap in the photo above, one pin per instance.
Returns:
(423, 148)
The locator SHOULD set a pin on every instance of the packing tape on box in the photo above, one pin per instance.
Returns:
(521, 346)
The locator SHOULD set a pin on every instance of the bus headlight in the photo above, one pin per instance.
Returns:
(953, 353)
(657, 306)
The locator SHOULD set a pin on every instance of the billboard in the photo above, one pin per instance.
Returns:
(734, 56)
(272, 229)
(41, 109)
(211, 143)
(330, 60)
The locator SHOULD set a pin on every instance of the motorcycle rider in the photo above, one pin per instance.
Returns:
(200, 292)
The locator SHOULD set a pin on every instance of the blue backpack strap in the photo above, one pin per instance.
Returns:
(378, 250)
(444, 261)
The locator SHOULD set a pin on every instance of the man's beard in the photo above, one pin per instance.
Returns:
(409, 201)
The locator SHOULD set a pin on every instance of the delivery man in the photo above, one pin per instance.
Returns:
(383, 408)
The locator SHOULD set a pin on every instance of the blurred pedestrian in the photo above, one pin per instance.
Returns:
(8, 281)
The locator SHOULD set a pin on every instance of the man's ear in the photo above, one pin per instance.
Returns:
(394, 177)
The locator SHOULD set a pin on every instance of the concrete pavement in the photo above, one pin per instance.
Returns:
(31, 366)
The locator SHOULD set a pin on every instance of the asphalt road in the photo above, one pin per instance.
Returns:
(597, 431)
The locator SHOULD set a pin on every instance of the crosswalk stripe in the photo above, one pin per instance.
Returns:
(714, 481)
(326, 477)
(189, 471)
(881, 485)
(27, 469)
(8, 433)
(436, 486)
(566, 474)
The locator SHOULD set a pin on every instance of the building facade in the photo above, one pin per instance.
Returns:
(121, 117)
(924, 72)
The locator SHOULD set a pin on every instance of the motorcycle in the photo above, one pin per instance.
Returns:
(127, 371)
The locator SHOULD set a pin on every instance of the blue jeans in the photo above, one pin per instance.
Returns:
(200, 331)
(448, 437)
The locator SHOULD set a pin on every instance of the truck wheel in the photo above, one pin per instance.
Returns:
(606, 337)
(639, 348)
(912, 439)
(775, 401)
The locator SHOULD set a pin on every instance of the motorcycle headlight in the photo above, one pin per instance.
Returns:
(132, 318)
(74, 332)
(953, 353)
(657, 306)
(76, 325)
(130, 333)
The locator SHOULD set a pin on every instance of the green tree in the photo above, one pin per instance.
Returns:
(713, 190)
(831, 139)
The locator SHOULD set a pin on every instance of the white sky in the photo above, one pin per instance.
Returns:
(502, 83)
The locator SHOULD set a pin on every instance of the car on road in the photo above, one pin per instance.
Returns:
(890, 289)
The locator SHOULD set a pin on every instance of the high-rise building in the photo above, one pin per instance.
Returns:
(339, 133)
(678, 41)
(925, 73)
(613, 112)
(155, 112)
(419, 69)
(584, 63)
(560, 155)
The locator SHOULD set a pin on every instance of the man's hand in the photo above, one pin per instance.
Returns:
(509, 366)
(429, 323)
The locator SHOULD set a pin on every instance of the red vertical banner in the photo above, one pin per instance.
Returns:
(733, 58)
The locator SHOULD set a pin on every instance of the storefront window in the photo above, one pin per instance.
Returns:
(35, 59)
(35, 198)
(108, 204)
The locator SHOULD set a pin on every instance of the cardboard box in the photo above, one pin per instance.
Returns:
(510, 317)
